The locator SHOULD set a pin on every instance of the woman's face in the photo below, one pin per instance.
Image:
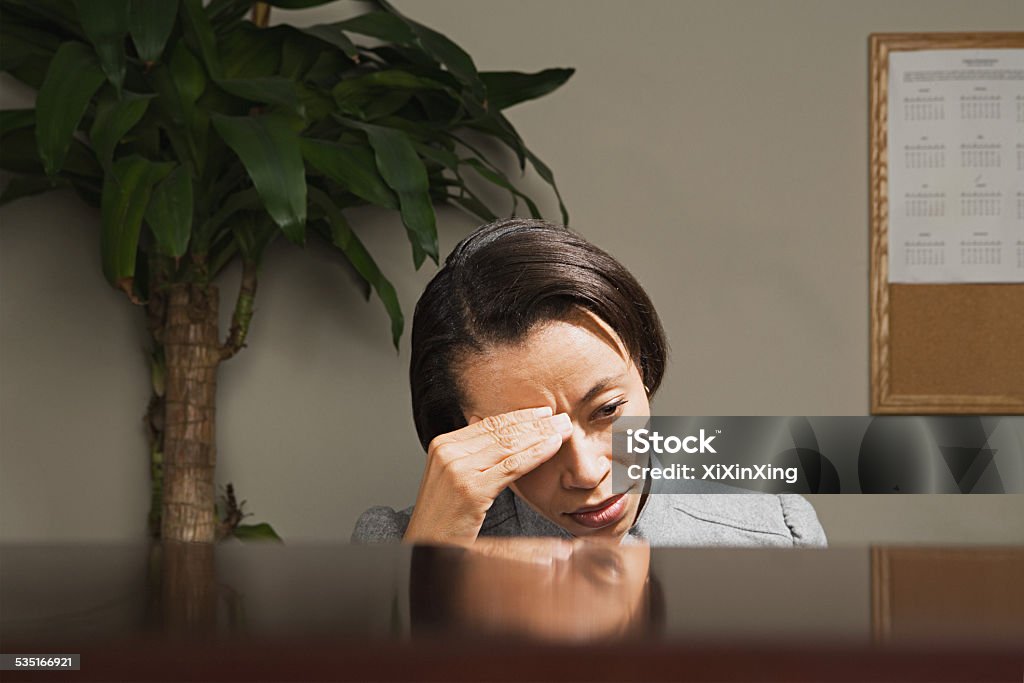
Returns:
(580, 367)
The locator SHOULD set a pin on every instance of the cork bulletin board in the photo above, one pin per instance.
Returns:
(939, 348)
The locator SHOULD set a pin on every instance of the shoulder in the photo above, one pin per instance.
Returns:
(802, 521)
(741, 519)
(381, 524)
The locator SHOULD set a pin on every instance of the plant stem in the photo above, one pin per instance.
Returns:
(243, 311)
(261, 14)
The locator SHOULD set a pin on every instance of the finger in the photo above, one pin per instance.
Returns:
(511, 468)
(494, 423)
(499, 444)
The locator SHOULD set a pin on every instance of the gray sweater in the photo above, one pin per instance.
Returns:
(667, 519)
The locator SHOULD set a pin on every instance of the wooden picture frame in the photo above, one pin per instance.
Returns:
(936, 348)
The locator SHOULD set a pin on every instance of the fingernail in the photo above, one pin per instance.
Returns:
(542, 412)
(561, 423)
(552, 440)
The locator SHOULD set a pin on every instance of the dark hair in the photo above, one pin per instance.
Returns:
(496, 285)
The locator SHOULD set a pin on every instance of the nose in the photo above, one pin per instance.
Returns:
(586, 460)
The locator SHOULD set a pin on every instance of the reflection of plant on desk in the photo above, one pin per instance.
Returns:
(202, 138)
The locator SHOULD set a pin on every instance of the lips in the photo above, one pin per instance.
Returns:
(601, 515)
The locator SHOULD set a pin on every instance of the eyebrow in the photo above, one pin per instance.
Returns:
(600, 386)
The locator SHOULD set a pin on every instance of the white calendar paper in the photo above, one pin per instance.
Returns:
(956, 166)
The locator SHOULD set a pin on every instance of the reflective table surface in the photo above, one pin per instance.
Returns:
(518, 609)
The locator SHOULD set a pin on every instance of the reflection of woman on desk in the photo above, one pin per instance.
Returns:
(551, 589)
(526, 346)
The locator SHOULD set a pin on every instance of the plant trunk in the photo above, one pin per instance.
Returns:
(192, 353)
(189, 589)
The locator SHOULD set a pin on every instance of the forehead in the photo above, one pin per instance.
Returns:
(556, 364)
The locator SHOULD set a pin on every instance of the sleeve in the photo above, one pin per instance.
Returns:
(802, 521)
(380, 524)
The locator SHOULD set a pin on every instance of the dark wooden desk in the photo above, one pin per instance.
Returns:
(320, 613)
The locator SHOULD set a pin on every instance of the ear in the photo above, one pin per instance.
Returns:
(473, 419)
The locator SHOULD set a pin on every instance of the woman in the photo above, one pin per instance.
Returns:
(526, 346)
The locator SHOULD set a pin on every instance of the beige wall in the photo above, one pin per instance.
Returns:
(718, 148)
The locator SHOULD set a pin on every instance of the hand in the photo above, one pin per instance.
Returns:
(468, 468)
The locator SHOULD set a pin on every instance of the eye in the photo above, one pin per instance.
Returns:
(609, 411)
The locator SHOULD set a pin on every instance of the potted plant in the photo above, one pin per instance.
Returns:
(202, 137)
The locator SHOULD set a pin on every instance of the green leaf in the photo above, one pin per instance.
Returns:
(269, 150)
(178, 86)
(150, 23)
(351, 166)
(20, 153)
(438, 155)
(332, 35)
(501, 180)
(505, 88)
(298, 52)
(467, 199)
(219, 258)
(403, 171)
(496, 125)
(27, 36)
(380, 25)
(452, 56)
(60, 13)
(256, 532)
(126, 193)
(544, 172)
(272, 90)
(25, 52)
(500, 127)
(187, 74)
(253, 232)
(72, 79)
(297, 4)
(14, 119)
(316, 105)
(106, 24)
(380, 83)
(472, 205)
(89, 191)
(26, 186)
(348, 242)
(246, 200)
(169, 213)
(199, 31)
(114, 118)
(251, 52)
(445, 51)
(222, 12)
